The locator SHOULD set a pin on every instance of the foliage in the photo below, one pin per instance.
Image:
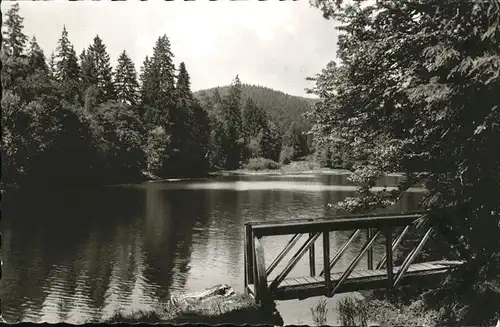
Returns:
(126, 83)
(319, 313)
(416, 91)
(67, 69)
(118, 132)
(261, 164)
(12, 33)
(297, 140)
(99, 71)
(286, 155)
(157, 151)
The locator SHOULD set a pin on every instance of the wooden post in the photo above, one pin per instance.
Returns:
(262, 295)
(312, 258)
(370, 251)
(388, 255)
(248, 257)
(326, 262)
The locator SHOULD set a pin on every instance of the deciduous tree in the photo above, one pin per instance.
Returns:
(416, 91)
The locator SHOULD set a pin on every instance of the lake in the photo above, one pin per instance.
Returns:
(75, 254)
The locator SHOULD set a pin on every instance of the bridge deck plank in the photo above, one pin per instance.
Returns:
(307, 286)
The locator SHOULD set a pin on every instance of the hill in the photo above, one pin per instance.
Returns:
(281, 107)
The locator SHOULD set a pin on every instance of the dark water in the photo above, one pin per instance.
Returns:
(77, 254)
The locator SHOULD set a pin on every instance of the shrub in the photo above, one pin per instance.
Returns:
(286, 155)
(319, 313)
(261, 164)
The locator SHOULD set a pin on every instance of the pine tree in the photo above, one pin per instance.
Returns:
(183, 87)
(88, 75)
(36, 57)
(67, 69)
(14, 39)
(66, 61)
(126, 80)
(253, 118)
(51, 65)
(101, 66)
(158, 84)
(234, 142)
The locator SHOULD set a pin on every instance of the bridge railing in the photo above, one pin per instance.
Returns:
(256, 272)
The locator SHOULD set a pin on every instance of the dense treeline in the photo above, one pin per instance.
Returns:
(74, 119)
(416, 90)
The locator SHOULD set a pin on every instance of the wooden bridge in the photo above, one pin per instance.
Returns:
(384, 275)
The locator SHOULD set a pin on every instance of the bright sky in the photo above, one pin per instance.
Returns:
(270, 43)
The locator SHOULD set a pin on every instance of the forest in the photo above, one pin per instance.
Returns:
(74, 119)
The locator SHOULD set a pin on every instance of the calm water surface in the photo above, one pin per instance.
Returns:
(75, 255)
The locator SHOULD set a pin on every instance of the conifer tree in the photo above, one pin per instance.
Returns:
(66, 62)
(14, 39)
(36, 57)
(253, 118)
(183, 87)
(101, 66)
(126, 80)
(51, 65)
(67, 69)
(234, 142)
(158, 84)
(87, 74)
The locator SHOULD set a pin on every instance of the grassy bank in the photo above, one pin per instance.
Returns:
(238, 310)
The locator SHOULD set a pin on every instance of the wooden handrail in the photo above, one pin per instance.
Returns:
(293, 261)
(394, 246)
(341, 251)
(356, 260)
(409, 259)
(299, 227)
(365, 215)
(283, 253)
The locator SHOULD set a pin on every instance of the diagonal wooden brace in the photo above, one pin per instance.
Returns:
(295, 259)
(354, 262)
(283, 253)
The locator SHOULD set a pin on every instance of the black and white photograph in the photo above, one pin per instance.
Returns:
(259, 162)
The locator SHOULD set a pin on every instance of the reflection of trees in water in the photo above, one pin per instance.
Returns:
(52, 229)
(170, 218)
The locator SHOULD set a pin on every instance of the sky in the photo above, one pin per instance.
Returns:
(272, 43)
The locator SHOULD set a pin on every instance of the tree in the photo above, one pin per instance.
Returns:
(14, 39)
(126, 80)
(100, 66)
(297, 140)
(67, 70)
(36, 58)
(270, 141)
(88, 74)
(232, 140)
(158, 84)
(183, 87)
(412, 95)
(51, 65)
(118, 132)
(253, 118)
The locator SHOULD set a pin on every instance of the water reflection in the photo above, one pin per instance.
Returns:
(75, 255)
